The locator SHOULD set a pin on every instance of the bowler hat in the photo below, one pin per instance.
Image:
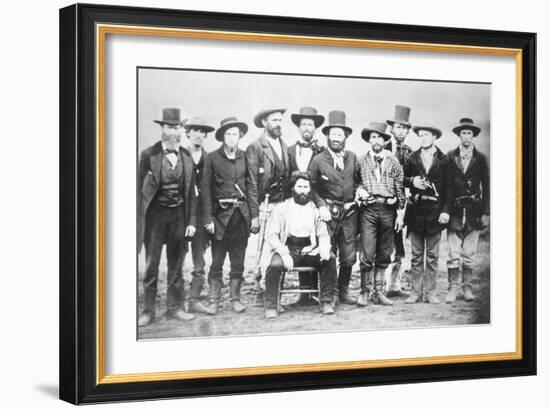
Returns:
(379, 127)
(199, 123)
(227, 123)
(337, 119)
(436, 131)
(264, 113)
(466, 123)
(170, 116)
(310, 113)
(401, 116)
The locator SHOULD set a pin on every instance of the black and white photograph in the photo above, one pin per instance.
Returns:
(281, 203)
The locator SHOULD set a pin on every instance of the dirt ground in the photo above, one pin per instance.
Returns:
(309, 319)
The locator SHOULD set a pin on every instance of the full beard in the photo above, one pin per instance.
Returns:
(171, 142)
(336, 147)
(301, 198)
(376, 148)
(307, 137)
(274, 132)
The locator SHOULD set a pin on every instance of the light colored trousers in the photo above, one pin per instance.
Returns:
(424, 248)
(462, 247)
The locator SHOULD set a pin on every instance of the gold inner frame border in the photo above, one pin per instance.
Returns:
(102, 30)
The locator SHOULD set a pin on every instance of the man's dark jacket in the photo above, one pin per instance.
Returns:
(292, 155)
(422, 216)
(329, 183)
(477, 175)
(150, 165)
(260, 161)
(219, 177)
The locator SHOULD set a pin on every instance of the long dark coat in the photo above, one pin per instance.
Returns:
(150, 165)
(260, 163)
(478, 176)
(422, 217)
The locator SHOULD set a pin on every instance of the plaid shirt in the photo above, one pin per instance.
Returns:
(391, 178)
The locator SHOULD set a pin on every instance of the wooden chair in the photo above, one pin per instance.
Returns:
(287, 290)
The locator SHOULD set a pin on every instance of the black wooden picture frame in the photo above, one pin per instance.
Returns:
(80, 363)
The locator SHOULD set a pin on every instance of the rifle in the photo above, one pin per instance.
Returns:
(264, 214)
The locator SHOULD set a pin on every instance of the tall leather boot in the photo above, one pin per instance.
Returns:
(194, 298)
(366, 283)
(379, 296)
(467, 273)
(343, 286)
(453, 274)
(214, 294)
(235, 295)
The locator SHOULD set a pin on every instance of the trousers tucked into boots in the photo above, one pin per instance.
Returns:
(453, 275)
(235, 295)
(214, 296)
(467, 273)
(344, 277)
(366, 287)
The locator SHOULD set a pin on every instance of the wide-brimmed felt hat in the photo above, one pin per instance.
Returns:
(436, 131)
(337, 119)
(309, 113)
(378, 127)
(466, 123)
(170, 116)
(198, 122)
(401, 116)
(264, 113)
(227, 123)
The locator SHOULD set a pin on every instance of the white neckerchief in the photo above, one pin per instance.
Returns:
(172, 157)
(276, 145)
(337, 158)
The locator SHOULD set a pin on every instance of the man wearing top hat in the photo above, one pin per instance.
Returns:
(333, 179)
(167, 203)
(427, 177)
(226, 194)
(469, 178)
(307, 120)
(399, 129)
(380, 180)
(197, 130)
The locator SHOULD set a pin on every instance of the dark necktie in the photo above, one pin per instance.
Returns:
(378, 160)
(167, 151)
(305, 144)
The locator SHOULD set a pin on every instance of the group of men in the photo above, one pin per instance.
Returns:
(309, 203)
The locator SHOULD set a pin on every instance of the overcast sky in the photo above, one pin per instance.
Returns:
(217, 95)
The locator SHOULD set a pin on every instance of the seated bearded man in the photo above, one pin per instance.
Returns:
(296, 236)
